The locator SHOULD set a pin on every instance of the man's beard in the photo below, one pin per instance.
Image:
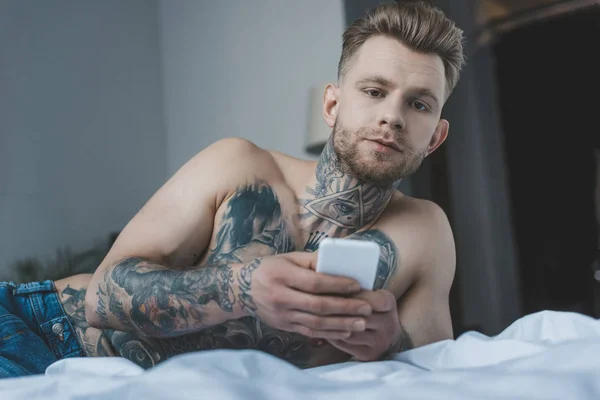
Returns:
(380, 170)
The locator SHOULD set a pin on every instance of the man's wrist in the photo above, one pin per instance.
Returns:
(402, 342)
(393, 348)
(246, 305)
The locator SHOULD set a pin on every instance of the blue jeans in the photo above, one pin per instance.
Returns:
(34, 329)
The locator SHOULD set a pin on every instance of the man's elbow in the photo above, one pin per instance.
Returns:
(92, 316)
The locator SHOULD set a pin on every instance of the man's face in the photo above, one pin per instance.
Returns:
(388, 106)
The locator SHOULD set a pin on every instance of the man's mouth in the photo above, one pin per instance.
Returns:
(387, 143)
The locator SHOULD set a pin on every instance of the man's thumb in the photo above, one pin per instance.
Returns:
(304, 259)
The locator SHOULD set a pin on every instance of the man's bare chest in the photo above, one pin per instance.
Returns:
(260, 220)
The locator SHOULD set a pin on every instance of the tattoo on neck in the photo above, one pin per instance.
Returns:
(340, 202)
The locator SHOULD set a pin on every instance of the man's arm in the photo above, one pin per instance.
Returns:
(150, 283)
(421, 315)
(145, 283)
(424, 310)
(146, 297)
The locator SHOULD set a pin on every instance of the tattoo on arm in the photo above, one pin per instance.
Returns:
(162, 302)
(402, 343)
(142, 351)
(101, 310)
(245, 282)
(74, 302)
(388, 259)
(253, 225)
(93, 341)
(116, 307)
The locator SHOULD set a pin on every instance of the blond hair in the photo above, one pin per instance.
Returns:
(418, 25)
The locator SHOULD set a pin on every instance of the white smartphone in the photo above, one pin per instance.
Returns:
(357, 259)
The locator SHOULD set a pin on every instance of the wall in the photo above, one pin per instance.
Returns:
(81, 127)
(244, 69)
(87, 130)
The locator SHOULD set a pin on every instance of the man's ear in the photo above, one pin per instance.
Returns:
(330, 104)
(439, 136)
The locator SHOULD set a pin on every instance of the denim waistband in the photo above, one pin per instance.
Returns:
(53, 325)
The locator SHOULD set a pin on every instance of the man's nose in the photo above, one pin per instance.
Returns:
(391, 116)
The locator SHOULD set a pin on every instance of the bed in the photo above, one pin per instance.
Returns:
(546, 355)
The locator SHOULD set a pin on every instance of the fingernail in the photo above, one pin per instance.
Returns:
(364, 310)
(358, 325)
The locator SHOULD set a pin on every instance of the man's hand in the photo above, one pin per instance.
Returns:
(384, 334)
(286, 293)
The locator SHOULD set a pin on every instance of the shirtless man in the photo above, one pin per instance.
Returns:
(223, 255)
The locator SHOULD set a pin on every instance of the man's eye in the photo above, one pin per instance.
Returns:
(374, 93)
(420, 105)
(342, 208)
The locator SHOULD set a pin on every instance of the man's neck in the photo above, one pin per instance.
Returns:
(336, 204)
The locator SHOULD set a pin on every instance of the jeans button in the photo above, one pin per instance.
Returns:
(58, 330)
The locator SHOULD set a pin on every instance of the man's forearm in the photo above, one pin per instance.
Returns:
(148, 298)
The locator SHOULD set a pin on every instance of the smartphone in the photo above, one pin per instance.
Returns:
(357, 259)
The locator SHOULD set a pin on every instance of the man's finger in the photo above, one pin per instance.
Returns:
(365, 338)
(328, 323)
(376, 321)
(315, 333)
(325, 305)
(303, 259)
(380, 300)
(357, 351)
(312, 282)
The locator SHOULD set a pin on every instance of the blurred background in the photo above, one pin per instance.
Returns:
(101, 101)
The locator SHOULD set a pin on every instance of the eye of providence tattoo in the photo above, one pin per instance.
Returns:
(339, 204)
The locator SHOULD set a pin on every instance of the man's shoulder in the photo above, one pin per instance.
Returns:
(234, 148)
(421, 218)
(420, 229)
(411, 210)
(235, 162)
(264, 163)
(414, 225)
(242, 158)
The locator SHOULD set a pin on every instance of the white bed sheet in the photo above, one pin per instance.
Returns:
(547, 355)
